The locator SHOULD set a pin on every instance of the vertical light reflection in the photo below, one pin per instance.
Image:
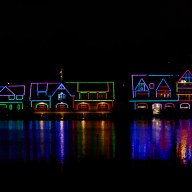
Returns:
(105, 127)
(164, 140)
(38, 140)
(140, 135)
(151, 140)
(42, 139)
(95, 139)
(83, 126)
(10, 125)
(80, 139)
(184, 141)
(105, 139)
(16, 149)
(61, 141)
(30, 141)
(41, 127)
(102, 138)
(48, 140)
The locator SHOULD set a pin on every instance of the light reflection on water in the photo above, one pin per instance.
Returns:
(162, 139)
(45, 140)
(184, 141)
(152, 139)
(144, 139)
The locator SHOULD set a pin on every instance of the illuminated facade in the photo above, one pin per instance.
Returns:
(153, 93)
(158, 93)
(50, 96)
(93, 96)
(184, 90)
(72, 96)
(12, 97)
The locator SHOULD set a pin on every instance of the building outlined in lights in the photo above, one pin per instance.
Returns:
(158, 93)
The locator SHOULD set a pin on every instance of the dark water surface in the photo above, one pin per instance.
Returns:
(83, 153)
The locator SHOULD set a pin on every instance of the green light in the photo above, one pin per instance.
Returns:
(10, 107)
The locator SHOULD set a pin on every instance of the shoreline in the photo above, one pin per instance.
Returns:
(83, 115)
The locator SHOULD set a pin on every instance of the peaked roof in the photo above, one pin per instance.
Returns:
(17, 89)
(146, 88)
(5, 91)
(62, 87)
(162, 84)
(47, 88)
(11, 90)
(186, 77)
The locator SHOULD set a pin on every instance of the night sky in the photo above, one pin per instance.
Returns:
(94, 41)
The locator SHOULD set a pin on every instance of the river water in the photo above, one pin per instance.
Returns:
(96, 152)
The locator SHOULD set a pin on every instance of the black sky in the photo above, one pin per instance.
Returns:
(93, 41)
